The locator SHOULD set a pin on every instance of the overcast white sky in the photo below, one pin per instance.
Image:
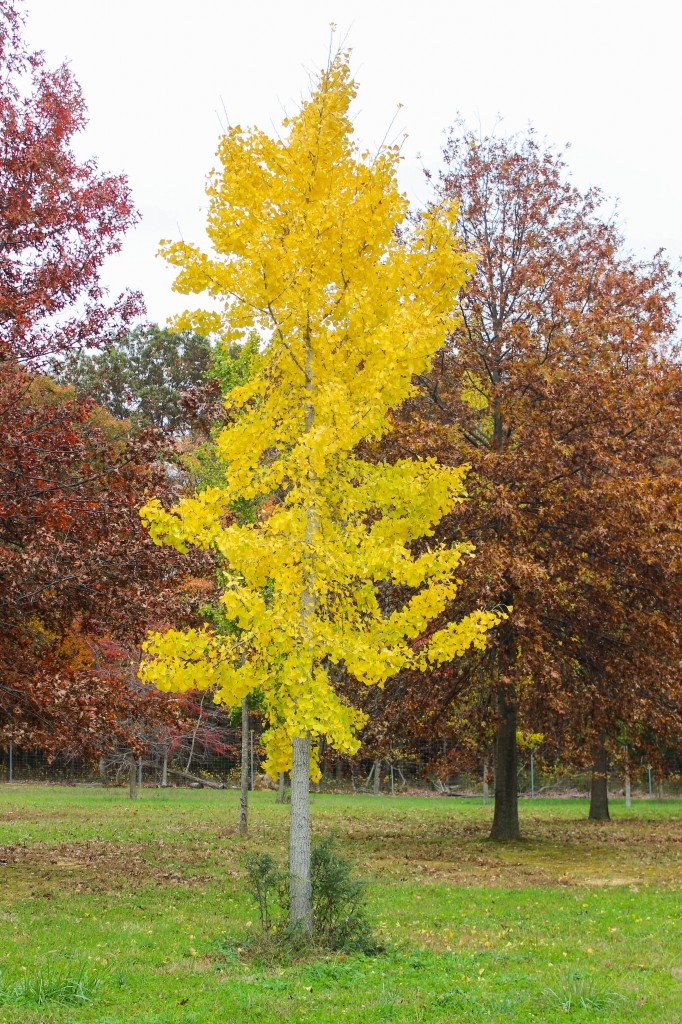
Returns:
(603, 75)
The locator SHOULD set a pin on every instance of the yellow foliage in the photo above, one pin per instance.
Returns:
(529, 740)
(306, 251)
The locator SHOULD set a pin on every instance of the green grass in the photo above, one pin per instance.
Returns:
(45, 987)
(143, 905)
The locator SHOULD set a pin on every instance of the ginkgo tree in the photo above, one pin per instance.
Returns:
(313, 248)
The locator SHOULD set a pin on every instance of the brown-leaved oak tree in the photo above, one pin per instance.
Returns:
(561, 388)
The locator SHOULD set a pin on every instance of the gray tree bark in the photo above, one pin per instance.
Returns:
(628, 785)
(300, 887)
(133, 779)
(280, 788)
(377, 778)
(245, 777)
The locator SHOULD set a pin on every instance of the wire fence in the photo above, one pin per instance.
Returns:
(393, 774)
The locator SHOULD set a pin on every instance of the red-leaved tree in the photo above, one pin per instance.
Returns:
(74, 561)
(562, 390)
(59, 217)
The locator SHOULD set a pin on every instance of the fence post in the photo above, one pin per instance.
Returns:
(486, 791)
(651, 792)
(392, 781)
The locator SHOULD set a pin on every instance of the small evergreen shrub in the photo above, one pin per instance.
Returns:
(266, 886)
(340, 921)
(339, 901)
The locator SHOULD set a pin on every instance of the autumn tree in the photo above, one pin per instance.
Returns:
(148, 375)
(560, 386)
(307, 250)
(74, 561)
(77, 569)
(60, 218)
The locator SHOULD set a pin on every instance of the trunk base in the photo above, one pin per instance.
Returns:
(132, 779)
(505, 825)
(599, 789)
(300, 887)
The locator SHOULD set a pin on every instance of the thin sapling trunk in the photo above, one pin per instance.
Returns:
(245, 778)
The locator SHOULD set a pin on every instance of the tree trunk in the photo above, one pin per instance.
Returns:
(322, 750)
(599, 792)
(377, 778)
(506, 817)
(133, 780)
(300, 888)
(103, 771)
(195, 778)
(300, 885)
(280, 791)
(628, 786)
(164, 770)
(245, 778)
(485, 782)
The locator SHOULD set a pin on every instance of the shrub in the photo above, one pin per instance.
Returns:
(266, 886)
(339, 900)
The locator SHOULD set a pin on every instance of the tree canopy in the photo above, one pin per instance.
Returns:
(75, 570)
(307, 250)
(560, 386)
(148, 375)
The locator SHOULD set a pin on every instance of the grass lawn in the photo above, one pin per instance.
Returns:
(140, 907)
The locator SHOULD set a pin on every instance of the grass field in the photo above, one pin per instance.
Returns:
(133, 913)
